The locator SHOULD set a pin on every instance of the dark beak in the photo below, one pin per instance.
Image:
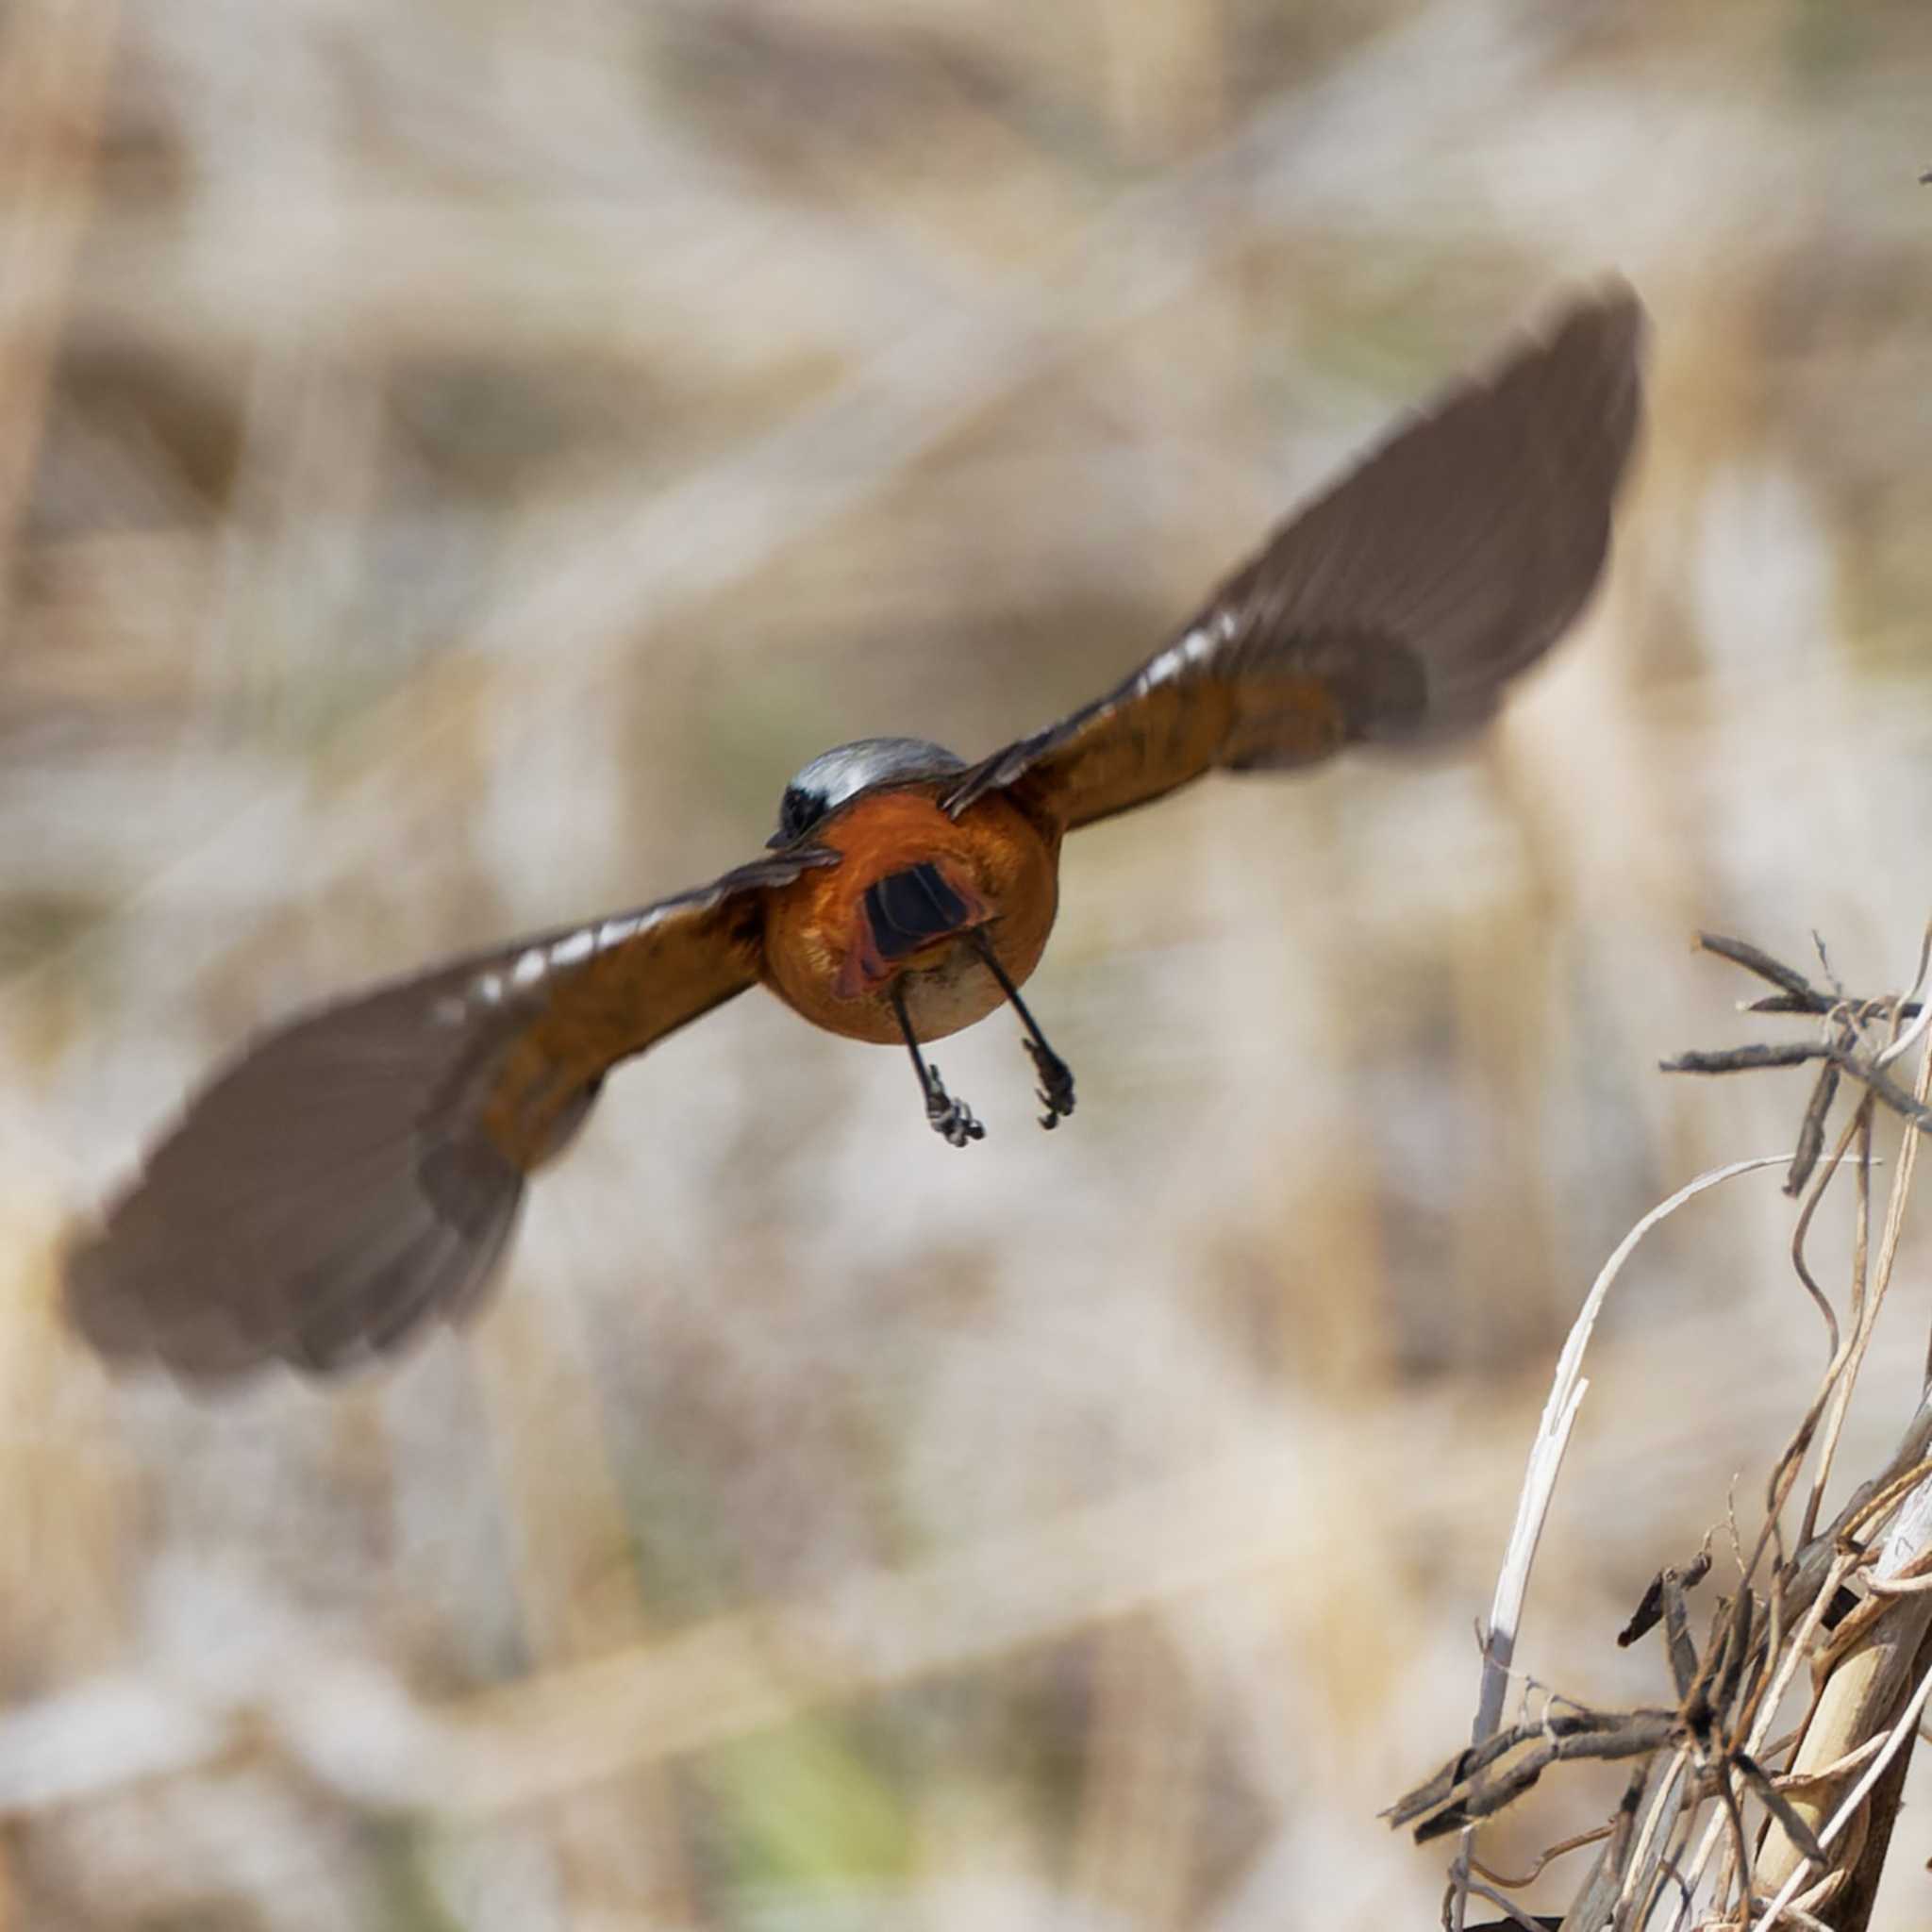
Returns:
(777, 840)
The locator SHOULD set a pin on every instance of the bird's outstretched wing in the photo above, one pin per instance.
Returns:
(357, 1171)
(1394, 607)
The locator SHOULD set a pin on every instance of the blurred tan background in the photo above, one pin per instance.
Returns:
(456, 459)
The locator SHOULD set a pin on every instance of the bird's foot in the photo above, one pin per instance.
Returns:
(949, 1117)
(1056, 1089)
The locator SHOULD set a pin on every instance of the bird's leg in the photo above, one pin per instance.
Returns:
(945, 1115)
(1055, 1090)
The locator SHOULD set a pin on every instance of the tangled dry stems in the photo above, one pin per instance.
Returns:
(1722, 1823)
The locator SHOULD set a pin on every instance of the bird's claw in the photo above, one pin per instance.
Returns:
(1055, 1090)
(952, 1118)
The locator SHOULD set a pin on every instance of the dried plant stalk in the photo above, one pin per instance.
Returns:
(1719, 1825)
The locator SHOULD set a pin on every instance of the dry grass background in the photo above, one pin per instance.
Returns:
(456, 460)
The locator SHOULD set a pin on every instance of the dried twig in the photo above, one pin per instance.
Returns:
(1683, 1845)
(1840, 1048)
(1635, 1732)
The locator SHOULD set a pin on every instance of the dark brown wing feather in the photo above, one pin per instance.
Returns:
(1395, 606)
(357, 1171)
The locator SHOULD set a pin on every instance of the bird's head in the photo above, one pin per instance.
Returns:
(832, 777)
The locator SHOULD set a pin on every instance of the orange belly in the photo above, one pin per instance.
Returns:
(813, 930)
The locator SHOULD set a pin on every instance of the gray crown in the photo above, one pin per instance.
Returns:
(846, 770)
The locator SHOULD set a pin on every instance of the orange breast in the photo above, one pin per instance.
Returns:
(811, 929)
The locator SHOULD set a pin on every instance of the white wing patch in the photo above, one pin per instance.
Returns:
(504, 979)
(579, 945)
(535, 964)
(1193, 648)
(614, 932)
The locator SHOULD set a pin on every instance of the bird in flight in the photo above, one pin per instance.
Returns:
(354, 1173)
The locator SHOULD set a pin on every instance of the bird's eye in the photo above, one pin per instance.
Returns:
(799, 810)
